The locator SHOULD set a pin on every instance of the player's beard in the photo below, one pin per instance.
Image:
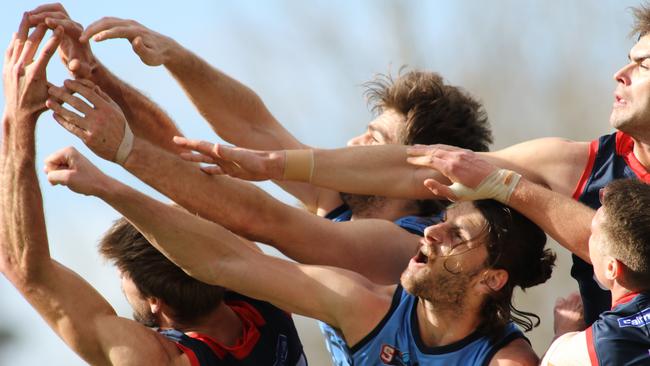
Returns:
(146, 318)
(445, 290)
(362, 206)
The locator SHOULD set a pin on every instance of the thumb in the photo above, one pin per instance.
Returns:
(440, 189)
(56, 177)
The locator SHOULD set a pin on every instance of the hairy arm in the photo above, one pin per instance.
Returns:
(377, 249)
(564, 219)
(214, 255)
(234, 111)
(70, 306)
(389, 170)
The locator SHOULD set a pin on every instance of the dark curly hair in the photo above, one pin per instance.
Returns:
(517, 245)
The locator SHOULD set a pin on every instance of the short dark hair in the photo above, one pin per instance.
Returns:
(435, 113)
(156, 276)
(517, 245)
(641, 24)
(626, 205)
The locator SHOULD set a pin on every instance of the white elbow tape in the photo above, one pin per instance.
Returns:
(499, 185)
(125, 146)
(298, 165)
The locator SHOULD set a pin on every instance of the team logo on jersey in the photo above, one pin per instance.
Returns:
(390, 355)
(638, 320)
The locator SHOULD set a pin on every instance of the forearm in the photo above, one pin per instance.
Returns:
(237, 205)
(24, 239)
(146, 119)
(376, 170)
(565, 220)
(234, 111)
(199, 247)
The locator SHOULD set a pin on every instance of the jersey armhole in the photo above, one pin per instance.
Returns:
(397, 297)
(586, 173)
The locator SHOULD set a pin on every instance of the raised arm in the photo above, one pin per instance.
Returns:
(70, 306)
(214, 255)
(149, 121)
(378, 249)
(383, 170)
(564, 219)
(234, 111)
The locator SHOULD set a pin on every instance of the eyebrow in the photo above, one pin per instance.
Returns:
(373, 128)
(638, 58)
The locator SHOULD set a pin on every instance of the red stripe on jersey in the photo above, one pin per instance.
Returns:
(624, 299)
(625, 148)
(251, 320)
(194, 361)
(582, 183)
(591, 349)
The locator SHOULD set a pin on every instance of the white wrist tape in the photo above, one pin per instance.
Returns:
(499, 185)
(125, 146)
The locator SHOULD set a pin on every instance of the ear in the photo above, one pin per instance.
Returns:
(494, 280)
(155, 304)
(613, 269)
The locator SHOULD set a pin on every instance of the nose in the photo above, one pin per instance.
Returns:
(623, 75)
(435, 234)
(357, 140)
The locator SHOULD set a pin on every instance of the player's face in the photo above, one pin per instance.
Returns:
(631, 108)
(450, 259)
(385, 129)
(141, 310)
(597, 248)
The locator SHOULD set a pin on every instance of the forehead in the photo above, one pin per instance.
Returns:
(641, 49)
(466, 217)
(389, 120)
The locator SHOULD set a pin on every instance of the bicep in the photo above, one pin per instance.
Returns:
(342, 298)
(76, 312)
(552, 162)
(377, 249)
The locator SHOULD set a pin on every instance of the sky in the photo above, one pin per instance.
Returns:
(541, 68)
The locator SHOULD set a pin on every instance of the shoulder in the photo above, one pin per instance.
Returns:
(570, 348)
(517, 352)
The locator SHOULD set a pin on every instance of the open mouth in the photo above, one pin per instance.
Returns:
(421, 257)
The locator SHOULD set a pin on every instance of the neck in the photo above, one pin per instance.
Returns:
(222, 325)
(619, 292)
(440, 327)
(642, 152)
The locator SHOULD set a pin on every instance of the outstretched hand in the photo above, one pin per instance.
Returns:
(234, 161)
(459, 165)
(152, 48)
(71, 169)
(76, 56)
(25, 79)
(101, 125)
